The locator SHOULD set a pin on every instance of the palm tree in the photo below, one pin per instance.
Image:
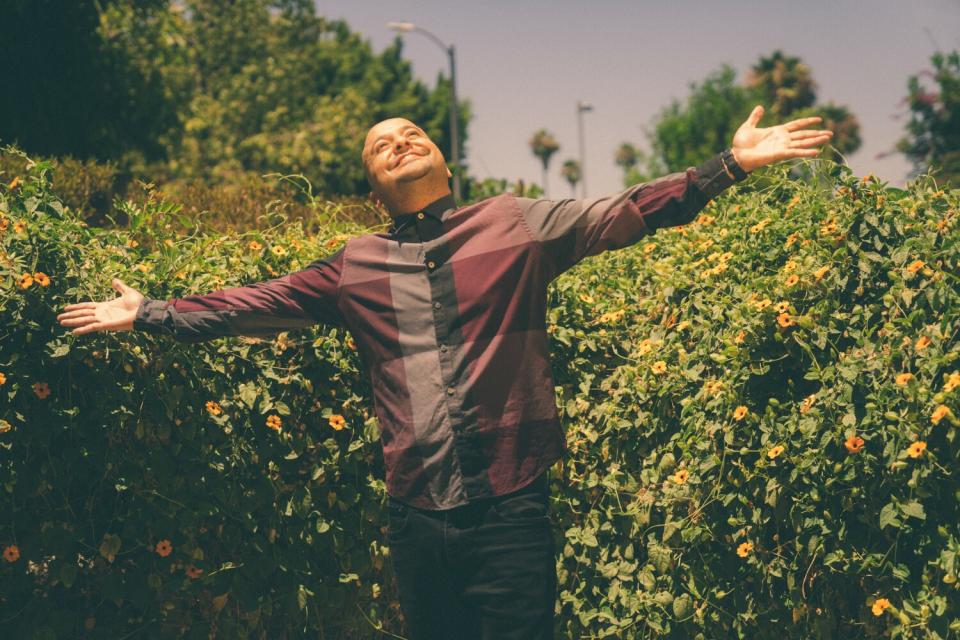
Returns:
(626, 157)
(571, 171)
(783, 82)
(544, 145)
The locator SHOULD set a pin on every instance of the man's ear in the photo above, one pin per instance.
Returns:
(375, 200)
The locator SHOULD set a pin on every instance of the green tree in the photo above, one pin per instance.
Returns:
(783, 84)
(571, 172)
(933, 132)
(544, 145)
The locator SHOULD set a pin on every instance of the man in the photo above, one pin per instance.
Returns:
(448, 314)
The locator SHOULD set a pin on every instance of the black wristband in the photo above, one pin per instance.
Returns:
(732, 164)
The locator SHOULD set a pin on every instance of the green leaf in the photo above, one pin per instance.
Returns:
(913, 509)
(888, 516)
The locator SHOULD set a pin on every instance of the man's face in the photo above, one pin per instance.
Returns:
(401, 160)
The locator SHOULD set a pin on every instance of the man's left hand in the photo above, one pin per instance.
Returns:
(755, 147)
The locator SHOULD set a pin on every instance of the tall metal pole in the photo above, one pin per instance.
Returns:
(454, 125)
(581, 107)
(454, 117)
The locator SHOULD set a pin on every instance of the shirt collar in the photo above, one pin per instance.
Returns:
(435, 210)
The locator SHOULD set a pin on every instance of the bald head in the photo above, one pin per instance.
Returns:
(404, 167)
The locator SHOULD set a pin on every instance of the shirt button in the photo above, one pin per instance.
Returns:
(431, 264)
(450, 391)
(420, 216)
(436, 305)
(443, 348)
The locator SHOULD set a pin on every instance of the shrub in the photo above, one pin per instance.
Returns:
(745, 457)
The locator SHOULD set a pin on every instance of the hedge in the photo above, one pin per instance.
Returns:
(760, 409)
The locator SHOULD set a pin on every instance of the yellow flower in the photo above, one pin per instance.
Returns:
(5, 426)
(14, 183)
(916, 449)
(915, 266)
(168, 242)
(939, 413)
(763, 304)
(775, 451)
(659, 367)
(337, 422)
(42, 279)
(822, 271)
(650, 246)
(132, 243)
(42, 389)
(713, 388)
(744, 549)
(792, 280)
(808, 402)
(3, 379)
(25, 281)
(273, 422)
(784, 320)
(214, 408)
(645, 346)
(740, 337)
(782, 307)
(680, 476)
(586, 298)
(879, 606)
(791, 265)
(278, 250)
(903, 378)
(19, 226)
(683, 325)
(953, 380)
(740, 412)
(254, 245)
(922, 343)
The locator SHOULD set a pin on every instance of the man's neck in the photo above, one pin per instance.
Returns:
(416, 203)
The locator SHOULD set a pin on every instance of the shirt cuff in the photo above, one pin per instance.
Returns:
(150, 316)
(712, 178)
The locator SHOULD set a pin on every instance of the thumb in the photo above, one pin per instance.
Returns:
(119, 285)
(755, 115)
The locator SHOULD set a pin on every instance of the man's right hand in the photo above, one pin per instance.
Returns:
(112, 315)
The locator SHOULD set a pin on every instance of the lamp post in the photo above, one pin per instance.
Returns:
(581, 107)
(404, 27)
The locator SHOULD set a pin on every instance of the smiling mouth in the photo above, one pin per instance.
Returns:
(404, 158)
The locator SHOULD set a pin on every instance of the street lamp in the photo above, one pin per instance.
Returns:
(581, 107)
(404, 27)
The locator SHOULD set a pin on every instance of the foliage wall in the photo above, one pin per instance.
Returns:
(760, 409)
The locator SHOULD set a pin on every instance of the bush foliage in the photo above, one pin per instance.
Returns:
(760, 409)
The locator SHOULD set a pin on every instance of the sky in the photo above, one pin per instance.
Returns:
(524, 64)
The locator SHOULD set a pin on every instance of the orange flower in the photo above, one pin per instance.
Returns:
(5, 426)
(337, 421)
(680, 476)
(14, 183)
(903, 378)
(4, 223)
(351, 344)
(659, 367)
(916, 449)
(740, 337)
(278, 250)
(3, 379)
(939, 413)
(915, 266)
(740, 412)
(41, 278)
(775, 451)
(763, 304)
(42, 389)
(274, 422)
(214, 408)
(168, 242)
(26, 280)
(254, 245)
(193, 572)
(132, 243)
(792, 280)
(854, 444)
(807, 403)
(744, 549)
(782, 307)
(822, 271)
(922, 343)
(650, 246)
(879, 606)
(163, 548)
(19, 226)
(784, 320)
(11, 553)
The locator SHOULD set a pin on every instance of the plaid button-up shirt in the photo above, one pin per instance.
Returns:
(448, 312)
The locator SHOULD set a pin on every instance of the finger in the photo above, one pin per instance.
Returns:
(73, 315)
(809, 142)
(810, 133)
(95, 326)
(78, 322)
(755, 115)
(80, 305)
(793, 125)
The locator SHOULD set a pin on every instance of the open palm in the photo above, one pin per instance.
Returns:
(110, 315)
(755, 147)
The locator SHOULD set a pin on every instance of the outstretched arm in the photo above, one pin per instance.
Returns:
(570, 230)
(293, 301)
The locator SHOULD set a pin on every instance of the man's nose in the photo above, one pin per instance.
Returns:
(401, 144)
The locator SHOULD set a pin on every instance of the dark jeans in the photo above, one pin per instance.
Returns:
(484, 570)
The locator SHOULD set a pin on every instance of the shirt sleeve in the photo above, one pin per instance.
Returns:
(293, 301)
(570, 230)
